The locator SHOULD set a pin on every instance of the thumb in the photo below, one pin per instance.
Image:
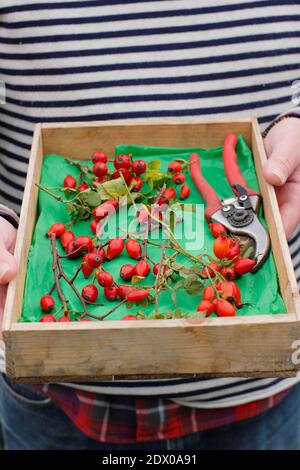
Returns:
(281, 163)
(8, 264)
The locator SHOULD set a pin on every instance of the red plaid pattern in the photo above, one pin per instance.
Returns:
(114, 419)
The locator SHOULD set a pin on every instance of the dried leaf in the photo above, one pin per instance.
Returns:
(137, 279)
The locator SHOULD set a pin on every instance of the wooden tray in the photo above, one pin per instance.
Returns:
(261, 345)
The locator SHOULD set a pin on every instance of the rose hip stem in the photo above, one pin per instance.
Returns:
(57, 275)
(112, 310)
(76, 292)
(106, 314)
(60, 199)
(76, 274)
(157, 280)
(83, 168)
(145, 254)
(73, 252)
(160, 193)
(53, 286)
(96, 304)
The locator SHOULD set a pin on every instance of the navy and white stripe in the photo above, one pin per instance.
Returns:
(98, 60)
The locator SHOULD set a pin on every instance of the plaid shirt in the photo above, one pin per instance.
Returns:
(114, 419)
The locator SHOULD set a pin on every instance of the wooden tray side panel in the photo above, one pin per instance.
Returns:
(79, 140)
(15, 291)
(147, 349)
(285, 270)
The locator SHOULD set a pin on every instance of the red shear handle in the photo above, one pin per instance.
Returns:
(230, 161)
(213, 203)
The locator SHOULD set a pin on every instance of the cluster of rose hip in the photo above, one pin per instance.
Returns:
(123, 164)
(92, 261)
(223, 296)
(131, 170)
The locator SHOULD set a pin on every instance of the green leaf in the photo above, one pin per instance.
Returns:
(144, 302)
(157, 316)
(194, 288)
(112, 189)
(127, 200)
(154, 165)
(70, 208)
(89, 198)
(141, 315)
(178, 313)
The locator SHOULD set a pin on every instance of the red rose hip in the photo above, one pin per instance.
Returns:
(57, 229)
(70, 182)
(66, 238)
(111, 293)
(244, 265)
(127, 271)
(136, 183)
(105, 279)
(122, 161)
(48, 318)
(174, 167)
(139, 167)
(90, 293)
(115, 248)
(134, 249)
(137, 295)
(217, 229)
(100, 169)
(178, 179)
(47, 303)
(184, 192)
(142, 268)
(99, 156)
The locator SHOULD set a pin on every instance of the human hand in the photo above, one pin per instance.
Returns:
(8, 264)
(282, 145)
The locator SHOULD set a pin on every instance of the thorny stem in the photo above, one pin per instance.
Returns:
(65, 201)
(151, 260)
(157, 280)
(56, 274)
(112, 309)
(145, 255)
(76, 292)
(53, 286)
(160, 193)
(78, 250)
(83, 168)
(128, 192)
(76, 274)
(98, 304)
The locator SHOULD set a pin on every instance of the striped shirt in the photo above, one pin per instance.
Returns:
(98, 60)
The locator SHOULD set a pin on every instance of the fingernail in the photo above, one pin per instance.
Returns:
(277, 171)
(4, 269)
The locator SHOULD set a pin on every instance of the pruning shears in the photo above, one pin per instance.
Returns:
(238, 213)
